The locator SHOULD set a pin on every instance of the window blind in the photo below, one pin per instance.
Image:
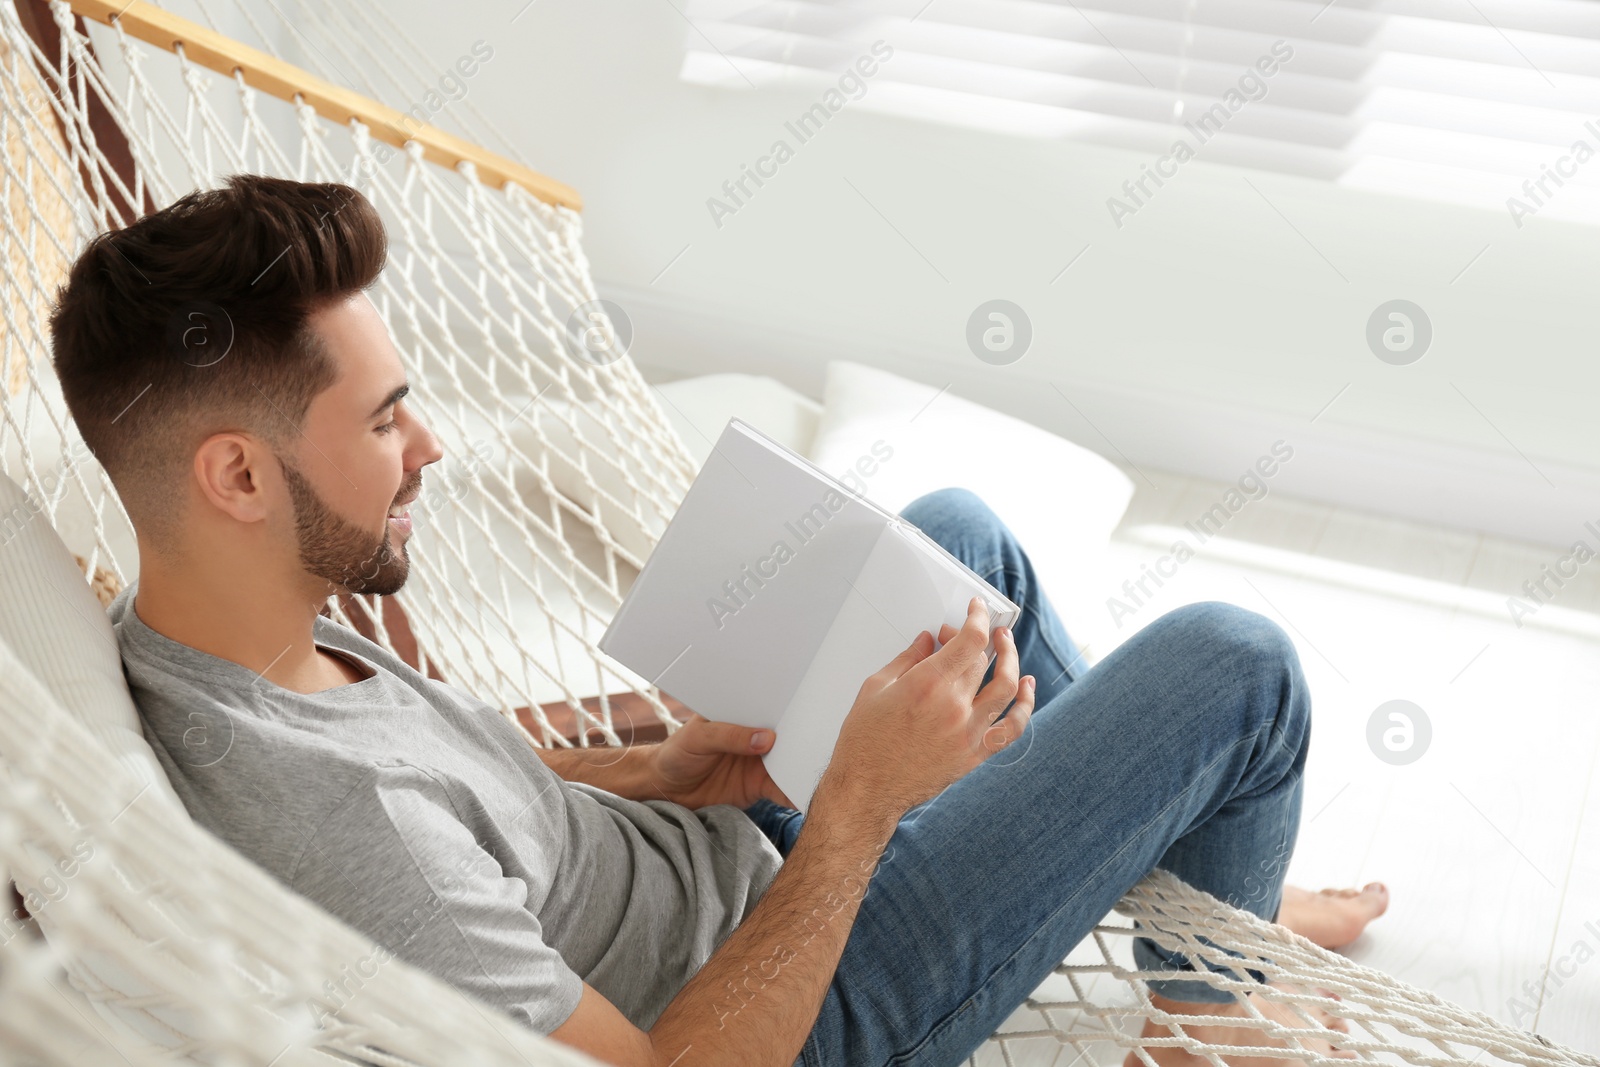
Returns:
(1483, 102)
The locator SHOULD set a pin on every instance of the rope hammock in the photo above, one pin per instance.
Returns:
(160, 944)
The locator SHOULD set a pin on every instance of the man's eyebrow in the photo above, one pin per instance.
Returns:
(391, 400)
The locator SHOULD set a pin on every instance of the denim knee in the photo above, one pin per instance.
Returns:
(1249, 647)
(1237, 631)
(966, 527)
(942, 508)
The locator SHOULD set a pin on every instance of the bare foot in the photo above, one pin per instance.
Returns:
(1334, 917)
(1238, 1035)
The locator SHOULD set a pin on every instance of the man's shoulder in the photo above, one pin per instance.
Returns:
(249, 766)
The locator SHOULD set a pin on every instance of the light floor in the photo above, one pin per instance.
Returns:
(1490, 842)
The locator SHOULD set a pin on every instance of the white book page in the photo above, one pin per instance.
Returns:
(905, 586)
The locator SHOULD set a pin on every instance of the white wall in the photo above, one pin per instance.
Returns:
(1216, 321)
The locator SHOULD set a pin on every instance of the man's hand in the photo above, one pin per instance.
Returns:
(926, 720)
(708, 763)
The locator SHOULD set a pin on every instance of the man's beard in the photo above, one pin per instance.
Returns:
(340, 552)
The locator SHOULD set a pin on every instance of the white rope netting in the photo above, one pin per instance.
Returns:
(163, 945)
(209, 959)
(1096, 1003)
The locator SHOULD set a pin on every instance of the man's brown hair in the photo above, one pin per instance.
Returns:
(193, 321)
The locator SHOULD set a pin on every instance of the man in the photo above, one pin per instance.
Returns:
(631, 908)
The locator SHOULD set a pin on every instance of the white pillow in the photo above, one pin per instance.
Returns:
(56, 627)
(701, 407)
(1060, 499)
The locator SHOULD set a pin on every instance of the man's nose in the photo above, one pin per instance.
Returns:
(427, 448)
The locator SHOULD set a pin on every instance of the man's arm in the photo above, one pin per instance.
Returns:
(628, 772)
(758, 996)
(702, 763)
(756, 999)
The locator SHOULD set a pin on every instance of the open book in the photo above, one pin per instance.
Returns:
(776, 591)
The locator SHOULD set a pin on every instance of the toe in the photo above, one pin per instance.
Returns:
(1375, 895)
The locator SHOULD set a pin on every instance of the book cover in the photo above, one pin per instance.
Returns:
(775, 591)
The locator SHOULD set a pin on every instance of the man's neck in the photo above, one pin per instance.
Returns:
(261, 621)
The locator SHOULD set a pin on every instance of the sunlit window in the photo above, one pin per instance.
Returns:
(1494, 103)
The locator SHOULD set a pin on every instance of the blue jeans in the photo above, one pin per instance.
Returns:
(1184, 749)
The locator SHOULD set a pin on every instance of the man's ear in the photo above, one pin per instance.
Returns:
(232, 471)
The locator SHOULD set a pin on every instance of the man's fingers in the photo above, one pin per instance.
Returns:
(993, 698)
(961, 660)
(726, 737)
(1010, 728)
(920, 648)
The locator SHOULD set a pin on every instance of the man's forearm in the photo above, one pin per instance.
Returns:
(628, 771)
(755, 1001)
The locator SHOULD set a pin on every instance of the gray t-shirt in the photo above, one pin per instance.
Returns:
(424, 819)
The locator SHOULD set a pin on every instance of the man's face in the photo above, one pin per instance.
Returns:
(358, 462)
